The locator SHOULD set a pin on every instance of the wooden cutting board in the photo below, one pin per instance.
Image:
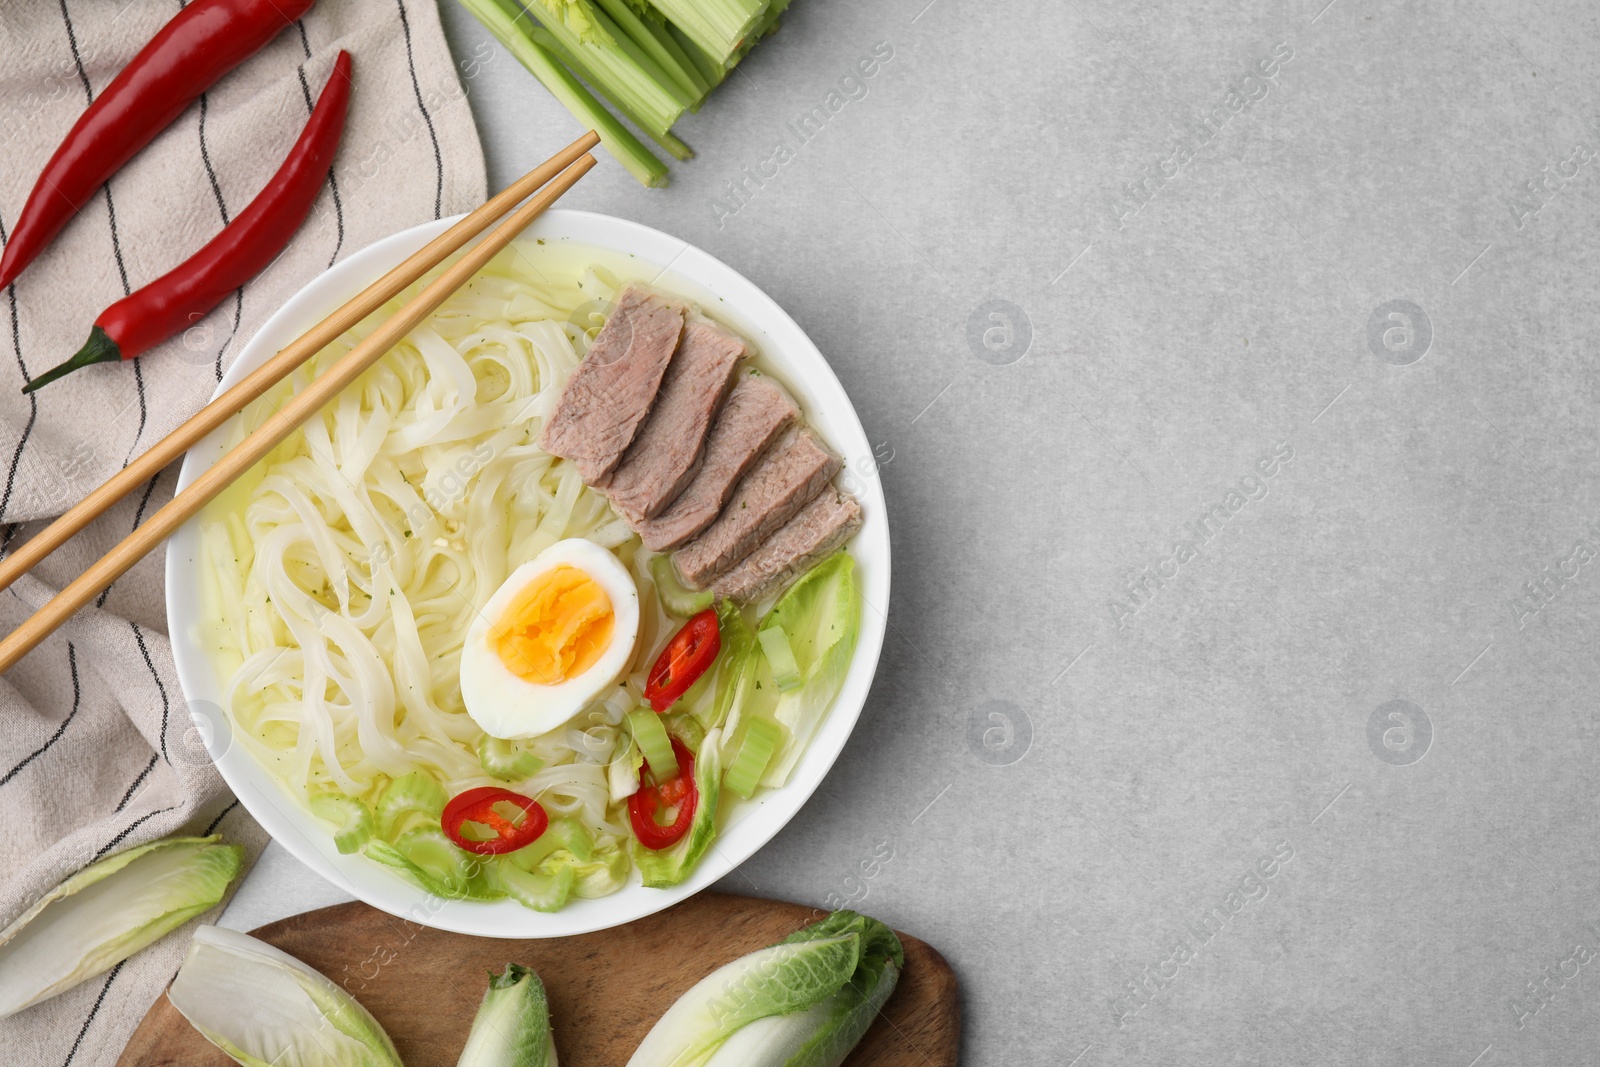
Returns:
(606, 989)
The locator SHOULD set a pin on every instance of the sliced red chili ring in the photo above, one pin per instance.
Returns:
(477, 806)
(652, 797)
(687, 656)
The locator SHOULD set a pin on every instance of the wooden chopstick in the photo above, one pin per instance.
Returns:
(279, 425)
(264, 377)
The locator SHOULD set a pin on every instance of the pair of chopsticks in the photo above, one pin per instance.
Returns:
(560, 172)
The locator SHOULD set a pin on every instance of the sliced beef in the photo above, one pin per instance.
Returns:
(611, 392)
(666, 451)
(757, 410)
(784, 480)
(820, 527)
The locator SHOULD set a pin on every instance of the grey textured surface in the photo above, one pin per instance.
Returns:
(1072, 762)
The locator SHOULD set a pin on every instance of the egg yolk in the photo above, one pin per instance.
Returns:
(555, 628)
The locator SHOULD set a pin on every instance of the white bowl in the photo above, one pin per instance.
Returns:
(727, 295)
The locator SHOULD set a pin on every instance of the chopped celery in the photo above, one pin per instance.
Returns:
(541, 892)
(506, 760)
(601, 875)
(510, 26)
(780, 657)
(471, 887)
(686, 728)
(761, 737)
(409, 799)
(353, 819)
(576, 840)
(563, 833)
(651, 737)
(679, 601)
(430, 848)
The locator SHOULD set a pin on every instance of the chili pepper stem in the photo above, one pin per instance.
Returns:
(99, 349)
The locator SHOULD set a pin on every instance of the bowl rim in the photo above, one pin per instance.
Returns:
(691, 272)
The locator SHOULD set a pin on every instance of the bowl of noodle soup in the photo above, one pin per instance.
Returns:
(302, 675)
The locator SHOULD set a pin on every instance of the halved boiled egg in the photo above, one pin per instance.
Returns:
(554, 638)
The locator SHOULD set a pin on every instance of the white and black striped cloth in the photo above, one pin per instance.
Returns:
(97, 751)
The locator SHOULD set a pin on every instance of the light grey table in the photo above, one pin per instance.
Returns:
(1231, 369)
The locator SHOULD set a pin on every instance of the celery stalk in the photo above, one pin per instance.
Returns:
(650, 34)
(767, 26)
(511, 28)
(712, 71)
(718, 26)
(545, 39)
(619, 65)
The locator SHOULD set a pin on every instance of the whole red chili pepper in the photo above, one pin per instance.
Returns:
(185, 294)
(206, 40)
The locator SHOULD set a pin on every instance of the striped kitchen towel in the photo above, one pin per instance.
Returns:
(97, 749)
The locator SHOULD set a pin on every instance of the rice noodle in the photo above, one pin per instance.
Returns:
(341, 575)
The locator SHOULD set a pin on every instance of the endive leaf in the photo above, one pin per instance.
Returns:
(265, 1008)
(820, 1036)
(512, 1027)
(771, 981)
(801, 1003)
(108, 911)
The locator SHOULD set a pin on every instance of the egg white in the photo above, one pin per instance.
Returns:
(509, 706)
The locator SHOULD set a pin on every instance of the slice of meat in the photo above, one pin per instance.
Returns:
(784, 480)
(667, 449)
(820, 527)
(612, 390)
(755, 413)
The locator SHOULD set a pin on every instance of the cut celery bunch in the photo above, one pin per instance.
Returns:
(648, 30)
(622, 70)
(512, 27)
(718, 26)
(547, 40)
